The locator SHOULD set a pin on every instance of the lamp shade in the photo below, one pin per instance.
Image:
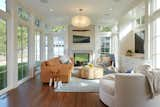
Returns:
(81, 21)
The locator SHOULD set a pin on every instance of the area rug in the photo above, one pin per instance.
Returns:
(79, 85)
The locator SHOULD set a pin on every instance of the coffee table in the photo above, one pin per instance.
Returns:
(91, 72)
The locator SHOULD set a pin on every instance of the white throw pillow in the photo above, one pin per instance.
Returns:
(64, 59)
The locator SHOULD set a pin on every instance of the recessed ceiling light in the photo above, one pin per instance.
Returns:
(110, 9)
(51, 10)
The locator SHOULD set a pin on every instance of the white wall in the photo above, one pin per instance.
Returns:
(126, 37)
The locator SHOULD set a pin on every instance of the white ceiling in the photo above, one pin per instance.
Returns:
(98, 10)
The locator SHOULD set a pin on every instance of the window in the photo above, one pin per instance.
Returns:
(46, 47)
(23, 14)
(105, 45)
(156, 43)
(37, 48)
(3, 54)
(156, 5)
(58, 46)
(22, 37)
(58, 28)
(3, 5)
(140, 21)
(104, 29)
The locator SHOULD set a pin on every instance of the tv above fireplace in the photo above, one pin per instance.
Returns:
(81, 39)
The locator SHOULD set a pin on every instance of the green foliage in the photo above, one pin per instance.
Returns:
(104, 29)
(81, 57)
(2, 37)
(22, 70)
(22, 35)
(3, 80)
(57, 28)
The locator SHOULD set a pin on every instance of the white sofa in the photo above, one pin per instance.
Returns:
(126, 90)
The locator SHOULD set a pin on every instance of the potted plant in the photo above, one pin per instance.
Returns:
(129, 53)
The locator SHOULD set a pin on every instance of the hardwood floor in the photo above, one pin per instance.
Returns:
(33, 94)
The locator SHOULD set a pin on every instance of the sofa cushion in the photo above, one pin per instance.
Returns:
(107, 83)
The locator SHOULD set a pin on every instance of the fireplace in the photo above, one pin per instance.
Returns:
(81, 59)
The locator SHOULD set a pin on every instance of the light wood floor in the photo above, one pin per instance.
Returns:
(34, 94)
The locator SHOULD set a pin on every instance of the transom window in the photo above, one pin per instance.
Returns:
(23, 14)
(104, 29)
(140, 21)
(3, 5)
(58, 28)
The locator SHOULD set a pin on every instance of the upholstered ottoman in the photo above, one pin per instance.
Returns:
(91, 72)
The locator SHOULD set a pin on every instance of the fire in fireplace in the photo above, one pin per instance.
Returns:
(81, 59)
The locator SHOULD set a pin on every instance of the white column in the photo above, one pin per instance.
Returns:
(31, 48)
(147, 37)
(42, 47)
(12, 66)
(50, 46)
(66, 41)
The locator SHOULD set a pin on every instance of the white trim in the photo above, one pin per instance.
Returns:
(17, 85)
(23, 80)
(4, 90)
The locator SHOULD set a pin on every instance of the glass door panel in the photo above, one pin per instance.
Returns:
(3, 55)
(22, 38)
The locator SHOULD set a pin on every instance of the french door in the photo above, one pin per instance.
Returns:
(22, 38)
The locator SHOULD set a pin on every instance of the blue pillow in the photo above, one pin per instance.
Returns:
(129, 70)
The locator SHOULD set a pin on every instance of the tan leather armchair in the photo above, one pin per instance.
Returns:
(54, 67)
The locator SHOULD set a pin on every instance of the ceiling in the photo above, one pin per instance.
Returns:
(100, 11)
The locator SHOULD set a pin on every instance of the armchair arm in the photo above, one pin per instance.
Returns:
(130, 89)
(66, 68)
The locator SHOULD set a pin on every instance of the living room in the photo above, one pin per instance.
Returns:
(79, 53)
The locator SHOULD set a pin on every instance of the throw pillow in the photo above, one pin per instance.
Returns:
(130, 70)
(110, 70)
(64, 59)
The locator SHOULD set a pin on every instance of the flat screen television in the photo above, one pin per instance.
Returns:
(139, 42)
(81, 39)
